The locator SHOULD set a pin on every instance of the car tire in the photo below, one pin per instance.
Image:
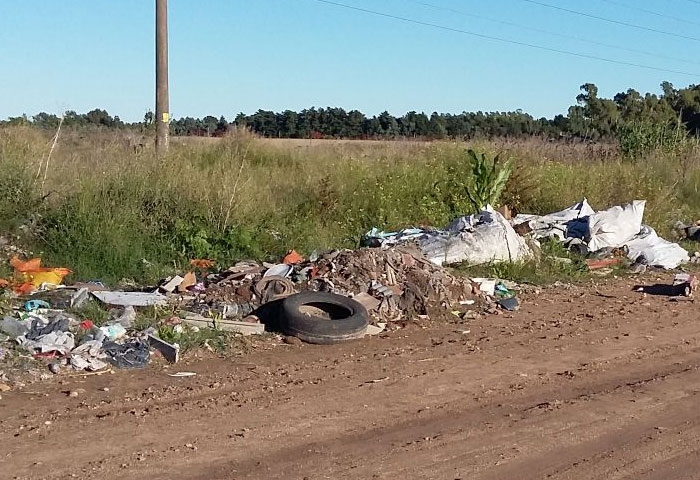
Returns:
(323, 318)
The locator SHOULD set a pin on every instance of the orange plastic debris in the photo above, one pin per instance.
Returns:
(24, 289)
(22, 266)
(31, 275)
(292, 258)
(202, 264)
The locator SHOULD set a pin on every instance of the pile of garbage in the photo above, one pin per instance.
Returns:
(396, 276)
(586, 231)
(66, 341)
(393, 284)
(489, 237)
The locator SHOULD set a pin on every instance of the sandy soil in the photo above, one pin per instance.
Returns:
(587, 382)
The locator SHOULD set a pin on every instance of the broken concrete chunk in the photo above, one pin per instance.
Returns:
(172, 284)
(367, 301)
(375, 329)
(79, 298)
(244, 328)
(133, 299)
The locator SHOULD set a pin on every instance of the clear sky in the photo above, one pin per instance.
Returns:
(230, 56)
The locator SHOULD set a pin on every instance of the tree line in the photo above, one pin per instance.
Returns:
(592, 117)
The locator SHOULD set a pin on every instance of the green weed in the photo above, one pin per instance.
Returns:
(92, 310)
(113, 214)
(555, 263)
(190, 339)
(488, 179)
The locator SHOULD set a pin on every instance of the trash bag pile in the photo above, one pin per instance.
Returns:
(489, 237)
(473, 240)
(581, 228)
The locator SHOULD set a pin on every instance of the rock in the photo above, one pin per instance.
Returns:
(5, 387)
(55, 368)
(73, 394)
(292, 341)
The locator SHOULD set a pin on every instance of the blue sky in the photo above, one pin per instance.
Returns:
(228, 56)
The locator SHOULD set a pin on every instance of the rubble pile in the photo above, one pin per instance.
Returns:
(403, 281)
(394, 283)
(397, 277)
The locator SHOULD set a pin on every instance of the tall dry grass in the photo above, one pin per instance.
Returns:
(109, 210)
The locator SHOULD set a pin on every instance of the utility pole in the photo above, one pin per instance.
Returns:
(162, 95)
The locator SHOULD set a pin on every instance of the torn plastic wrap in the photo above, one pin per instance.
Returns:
(474, 239)
(616, 227)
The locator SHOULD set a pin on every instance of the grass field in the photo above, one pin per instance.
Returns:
(109, 211)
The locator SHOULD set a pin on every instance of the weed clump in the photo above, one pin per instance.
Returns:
(112, 213)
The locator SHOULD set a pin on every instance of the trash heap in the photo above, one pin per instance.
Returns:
(395, 283)
(489, 237)
(65, 341)
(619, 228)
(397, 276)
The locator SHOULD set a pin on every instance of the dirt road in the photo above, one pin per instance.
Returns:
(576, 385)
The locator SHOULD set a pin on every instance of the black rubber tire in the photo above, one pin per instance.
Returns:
(349, 319)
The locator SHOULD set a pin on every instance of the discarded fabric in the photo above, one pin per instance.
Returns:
(59, 342)
(131, 354)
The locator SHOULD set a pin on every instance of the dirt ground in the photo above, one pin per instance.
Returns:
(593, 381)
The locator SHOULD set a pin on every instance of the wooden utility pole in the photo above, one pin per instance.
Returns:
(162, 95)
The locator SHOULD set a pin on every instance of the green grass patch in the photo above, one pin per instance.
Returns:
(554, 264)
(113, 214)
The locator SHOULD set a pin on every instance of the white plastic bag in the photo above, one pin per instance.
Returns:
(476, 239)
(656, 251)
(555, 224)
(616, 226)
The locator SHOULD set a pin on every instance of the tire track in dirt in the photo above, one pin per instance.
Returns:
(573, 386)
(481, 433)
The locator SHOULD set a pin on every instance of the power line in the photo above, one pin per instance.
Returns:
(556, 34)
(651, 12)
(616, 22)
(504, 40)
